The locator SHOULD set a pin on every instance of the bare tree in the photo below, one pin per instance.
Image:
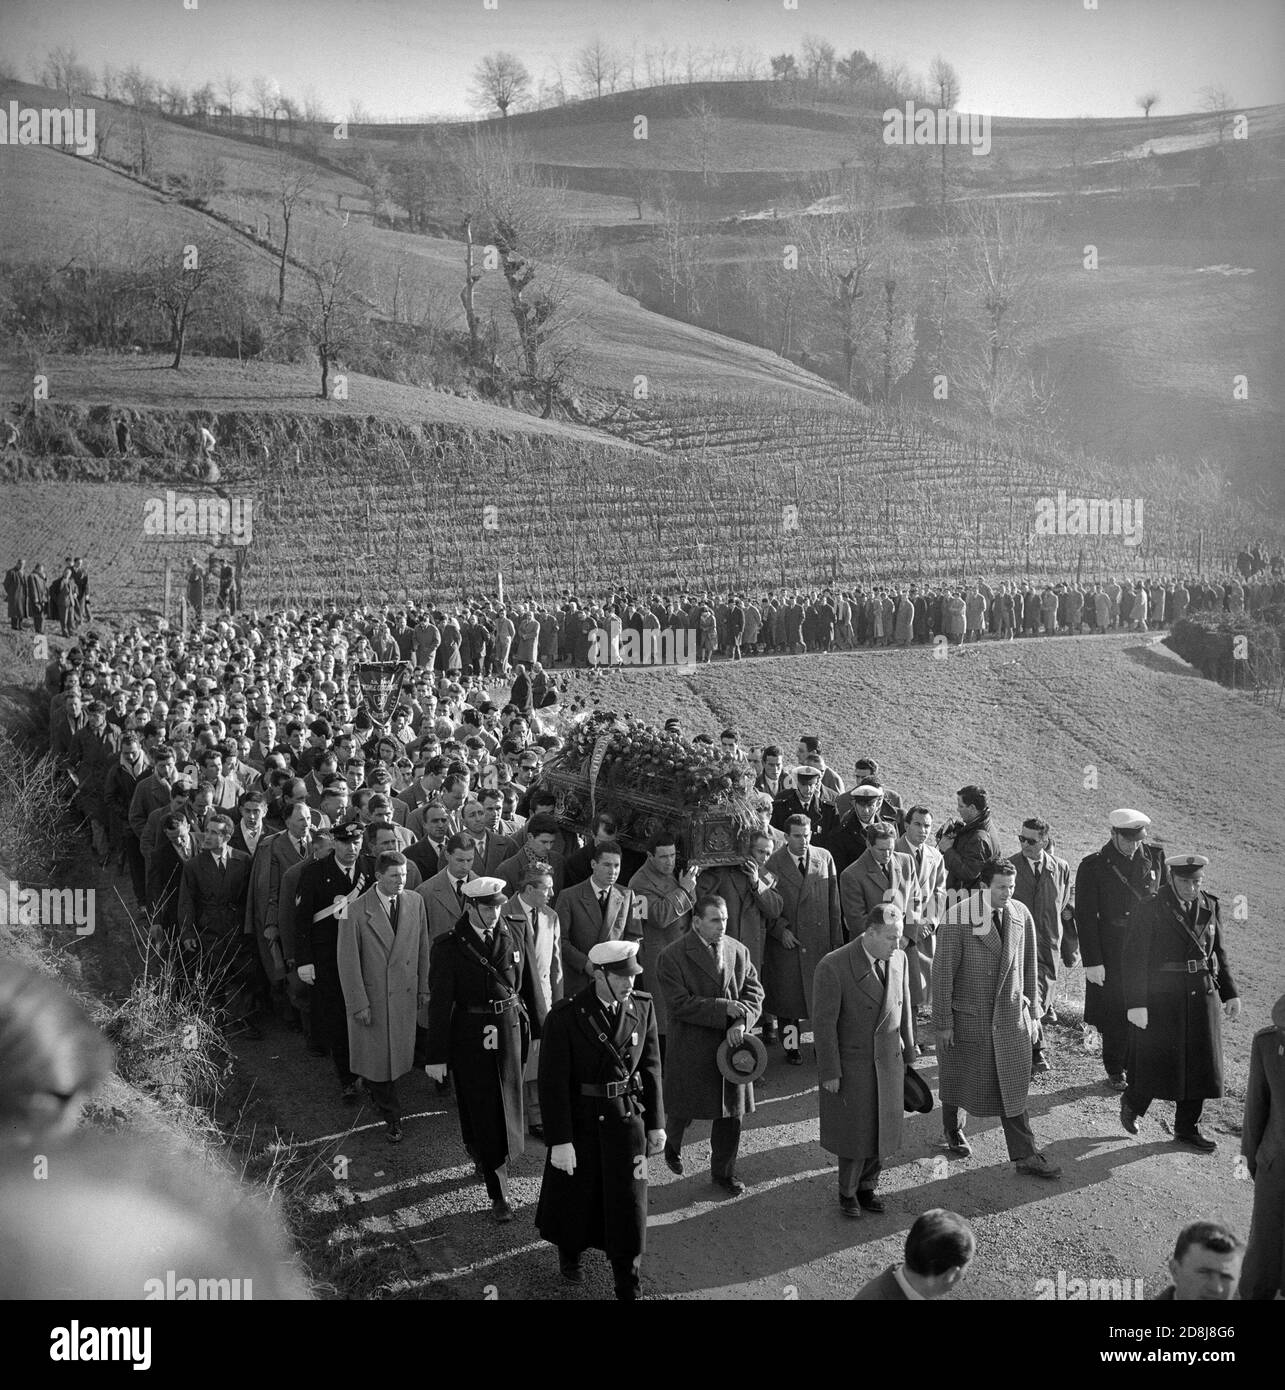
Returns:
(202, 100)
(784, 67)
(374, 178)
(109, 82)
(1220, 103)
(1147, 100)
(263, 92)
(315, 116)
(188, 283)
(139, 88)
(173, 99)
(818, 59)
(230, 88)
(943, 84)
(1004, 267)
(704, 138)
(597, 65)
(331, 312)
(293, 181)
(500, 80)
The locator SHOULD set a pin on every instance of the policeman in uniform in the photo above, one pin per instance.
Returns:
(327, 889)
(600, 1094)
(1177, 988)
(484, 1009)
(1110, 885)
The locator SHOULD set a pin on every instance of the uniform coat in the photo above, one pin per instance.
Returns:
(820, 810)
(1262, 1142)
(386, 974)
(603, 1204)
(584, 926)
(1103, 908)
(750, 911)
(485, 1052)
(865, 884)
(668, 916)
(864, 1036)
(810, 909)
(316, 942)
(695, 990)
(1179, 1054)
(986, 987)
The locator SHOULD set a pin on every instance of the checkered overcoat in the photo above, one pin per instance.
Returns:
(985, 987)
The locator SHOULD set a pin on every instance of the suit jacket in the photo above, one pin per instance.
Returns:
(583, 926)
(882, 1289)
(441, 903)
(427, 857)
(164, 884)
(930, 886)
(696, 990)
(387, 973)
(212, 899)
(864, 885)
(149, 795)
(667, 914)
(810, 909)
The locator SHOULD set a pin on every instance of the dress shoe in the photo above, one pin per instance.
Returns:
(769, 1033)
(442, 1087)
(870, 1201)
(1037, 1166)
(1040, 1065)
(794, 1057)
(849, 1206)
(394, 1131)
(1117, 1082)
(733, 1185)
(1195, 1139)
(571, 1271)
(351, 1093)
(674, 1161)
(1128, 1116)
(501, 1212)
(1050, 1017)
(957, 1143)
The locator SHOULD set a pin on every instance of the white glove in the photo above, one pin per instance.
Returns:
(435, 1071)
(563, 1158)
(1095, 974)
(1138, 1017)
(308, 974)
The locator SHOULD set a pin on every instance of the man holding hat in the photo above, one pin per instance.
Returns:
(1177, 988)
(713, 997)
(1262, 1142)
(1110, 885)
(600, 1094)
(864, 1031)
(484, 1010)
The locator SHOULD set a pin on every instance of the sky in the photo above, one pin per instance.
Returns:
(409, 58)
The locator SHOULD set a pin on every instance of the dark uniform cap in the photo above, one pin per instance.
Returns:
(348, 832)
(1185, 864)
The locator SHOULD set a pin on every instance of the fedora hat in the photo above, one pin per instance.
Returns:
(745, 1062)
(917, 1098)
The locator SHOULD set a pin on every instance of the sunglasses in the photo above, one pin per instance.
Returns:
(1029, 839)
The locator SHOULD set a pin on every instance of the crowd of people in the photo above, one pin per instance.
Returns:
(386, 872)
(30, 595)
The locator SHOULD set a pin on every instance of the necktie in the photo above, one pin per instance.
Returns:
(881, 972)
(997, 921)
(803, 865)
(393, 908)
(459, 891)
(919, 862)
(602, 901)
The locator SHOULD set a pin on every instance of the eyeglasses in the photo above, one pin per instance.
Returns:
(1029, 839)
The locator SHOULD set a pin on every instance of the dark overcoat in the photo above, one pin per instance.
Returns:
(1179, 1054)
(1108, 890)
(603, 1204)
(695, 990)
(1262, 1143)
(485, 1051)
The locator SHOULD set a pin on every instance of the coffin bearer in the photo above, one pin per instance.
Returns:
(483, 1010)
(600, 1094)
(1177, 989)
(1110, 885)
(864, 1031)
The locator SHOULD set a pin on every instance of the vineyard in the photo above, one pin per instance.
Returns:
(710, 495)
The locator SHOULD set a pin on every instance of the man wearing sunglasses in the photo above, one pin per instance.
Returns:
(1110, 886)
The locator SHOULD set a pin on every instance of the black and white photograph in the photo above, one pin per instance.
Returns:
(645, 662)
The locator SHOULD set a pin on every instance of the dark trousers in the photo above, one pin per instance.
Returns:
(1017, 1130)
(724, 1138)
(1186, 1112)
(496, 1179)
(858, 1175)
(624, 1270)
(384, 1095)
(1115, 1045)
(132, 852)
